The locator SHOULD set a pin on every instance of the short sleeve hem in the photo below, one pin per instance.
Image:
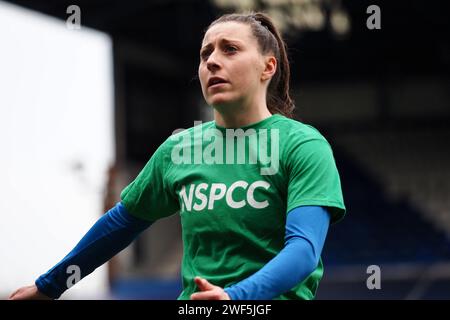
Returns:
(336, 216)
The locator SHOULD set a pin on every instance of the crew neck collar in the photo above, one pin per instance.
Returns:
(259, 124)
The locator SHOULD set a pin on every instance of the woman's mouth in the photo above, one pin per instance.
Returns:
(215, 82)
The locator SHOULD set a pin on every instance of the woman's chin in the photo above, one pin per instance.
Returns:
(221, 102)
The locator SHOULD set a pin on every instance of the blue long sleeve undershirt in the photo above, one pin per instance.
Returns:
(114, 231)
(306, 230)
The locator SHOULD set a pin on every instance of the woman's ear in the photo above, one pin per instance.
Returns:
(270, 67)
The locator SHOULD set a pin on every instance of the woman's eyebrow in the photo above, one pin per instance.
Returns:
(223, 40)
(205, 47)
(231, 40)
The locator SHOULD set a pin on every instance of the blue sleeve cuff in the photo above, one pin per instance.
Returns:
(306, 229)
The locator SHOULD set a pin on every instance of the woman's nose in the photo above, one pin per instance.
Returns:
(213, 63)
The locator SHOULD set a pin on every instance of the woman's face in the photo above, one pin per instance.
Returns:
(231, 66)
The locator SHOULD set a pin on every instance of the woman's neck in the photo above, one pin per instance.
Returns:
(234, 117)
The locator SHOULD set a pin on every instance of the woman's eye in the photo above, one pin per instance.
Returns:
(227, 49)
(204, 55)
(230, 49)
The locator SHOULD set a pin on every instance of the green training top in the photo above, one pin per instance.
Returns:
(233, 189)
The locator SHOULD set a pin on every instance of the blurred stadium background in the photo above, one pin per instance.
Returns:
(82, 110)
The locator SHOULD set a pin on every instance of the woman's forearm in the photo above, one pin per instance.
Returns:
(114, 231)
(306, 230)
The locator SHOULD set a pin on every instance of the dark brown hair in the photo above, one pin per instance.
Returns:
(269, 41)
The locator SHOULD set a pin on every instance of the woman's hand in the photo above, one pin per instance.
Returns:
(208, 291)
(28, 293)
